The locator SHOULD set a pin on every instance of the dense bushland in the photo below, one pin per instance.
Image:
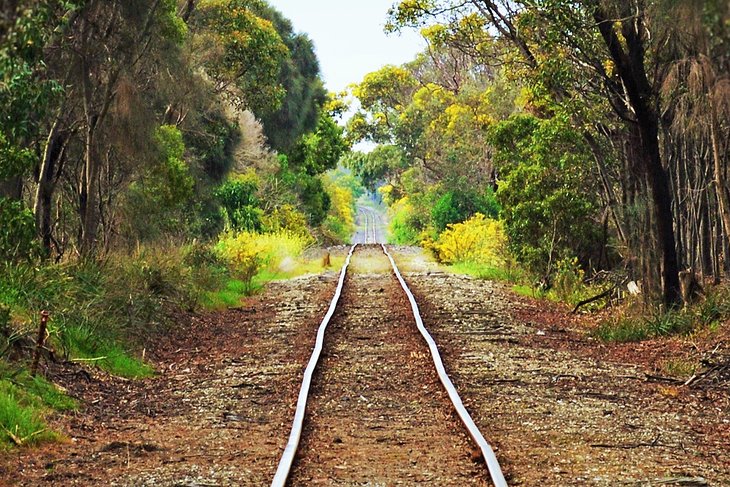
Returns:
(593, 130)
(186, 169)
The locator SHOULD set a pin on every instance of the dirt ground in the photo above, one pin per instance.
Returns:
(217, 413)
(559, 408)
(562, 409)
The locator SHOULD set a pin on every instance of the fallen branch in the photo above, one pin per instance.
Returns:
(604, 294)
(21, 441)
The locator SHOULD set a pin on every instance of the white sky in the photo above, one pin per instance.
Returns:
(349, 38)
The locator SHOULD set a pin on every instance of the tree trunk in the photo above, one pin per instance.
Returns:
(719, 179)
(43, 204)
(89, 194)
(629, 62)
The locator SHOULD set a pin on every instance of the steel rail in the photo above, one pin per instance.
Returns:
(287, 458)
(495, 471)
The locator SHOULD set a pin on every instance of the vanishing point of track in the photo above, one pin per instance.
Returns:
(289, 455)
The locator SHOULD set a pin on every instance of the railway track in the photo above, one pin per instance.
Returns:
(380, 402)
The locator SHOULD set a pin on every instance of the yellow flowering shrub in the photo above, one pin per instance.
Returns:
(478, 240)
(249, 253)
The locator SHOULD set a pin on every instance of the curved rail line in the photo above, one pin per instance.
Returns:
(287, 458)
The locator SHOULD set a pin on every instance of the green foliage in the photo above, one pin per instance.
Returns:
(285, 218)
(252, 53)
(160, 202)
(404, 224)
(305, 94)
(103, 311)
(213, 144)
(547, 203)
(314, 198)
(240, 202)
(459, 205)
(17, 231)
(342, 190)
(321, 150)
(568, 281)
(171, 26)
(378, 166)
(171, 182)
(637, 326)
(24, 92)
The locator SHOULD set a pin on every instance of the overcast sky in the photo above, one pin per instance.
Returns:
(349, 37)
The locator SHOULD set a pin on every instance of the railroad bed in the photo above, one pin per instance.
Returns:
(372, 409)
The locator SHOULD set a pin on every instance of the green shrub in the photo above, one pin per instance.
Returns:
(17, 231)
(240, 202)
(404, 223)
(568, 283)
(459, 205)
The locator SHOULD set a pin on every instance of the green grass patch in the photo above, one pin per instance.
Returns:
(229, 296)
(481, 271)
(529, 291)
(49, 394)
(234, 291)
(25, 401)
(704, 315)
(85, 344)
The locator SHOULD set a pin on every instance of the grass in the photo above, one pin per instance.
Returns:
(25, 402)
(481, 271)
(707, 314)
(229, 296)
(84, 344)
(233, 291)
(680, 368)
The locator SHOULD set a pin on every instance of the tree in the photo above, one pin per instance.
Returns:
(300, 77)
(242, 52)
(586, 34)
(25, 93)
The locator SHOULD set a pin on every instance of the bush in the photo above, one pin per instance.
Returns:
(339, 225)
(479, 240)
(285, 218)
(405, 228)
(635, 327)
(248, 253)
(102, 309)
(17, 231)
(568, 282)
(459, 205)
(241, 205)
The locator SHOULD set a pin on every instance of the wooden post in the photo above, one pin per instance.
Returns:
(39, 343)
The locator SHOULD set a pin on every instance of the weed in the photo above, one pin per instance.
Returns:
(705, 314)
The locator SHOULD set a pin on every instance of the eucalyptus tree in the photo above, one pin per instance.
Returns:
(575, 56)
